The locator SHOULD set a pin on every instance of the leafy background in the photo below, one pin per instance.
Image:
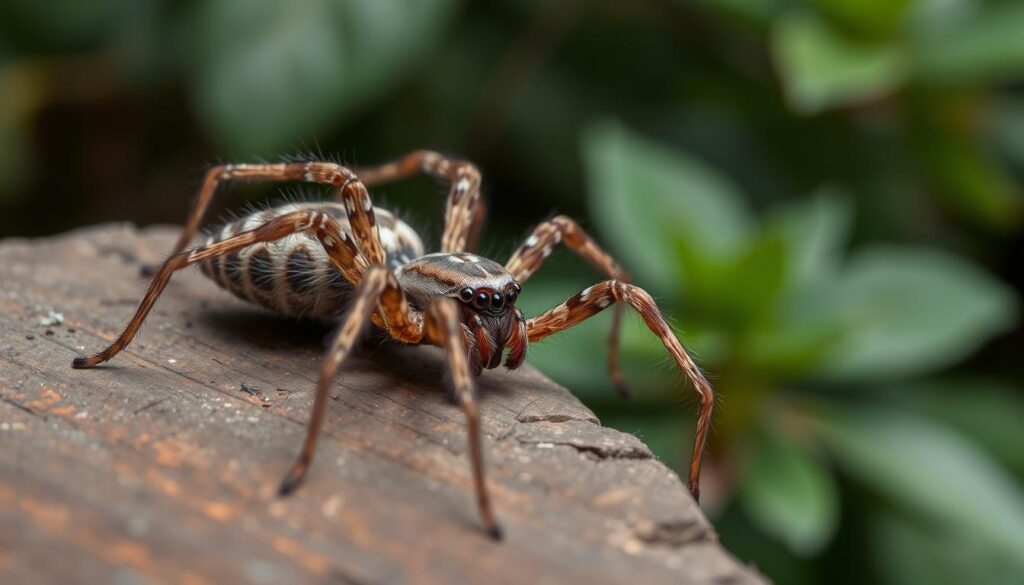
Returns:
(825, 195)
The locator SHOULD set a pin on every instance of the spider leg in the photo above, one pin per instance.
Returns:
(312, 172)
(443, 328)
(376, 281)
(340, 248)
(528, 258)
(394, 315)
(463, 213)
(593, 300)
(476, 225)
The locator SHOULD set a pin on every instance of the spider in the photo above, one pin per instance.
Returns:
(348, 260)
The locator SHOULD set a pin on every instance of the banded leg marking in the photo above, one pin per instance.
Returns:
(529, 257)
(444, 329)
(362, 307)
(395, 316)
(463, 212)
(312, 172)
(592, 301)
(339, 247)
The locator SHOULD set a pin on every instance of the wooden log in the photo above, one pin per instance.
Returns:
(162, 465)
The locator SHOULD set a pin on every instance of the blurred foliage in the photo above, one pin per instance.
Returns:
(825, 193)
(328, 59)
(794, 334)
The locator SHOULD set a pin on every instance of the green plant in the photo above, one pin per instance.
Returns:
(825, 365)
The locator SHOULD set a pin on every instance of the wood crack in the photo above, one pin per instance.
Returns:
(597, 452)
(556, 418)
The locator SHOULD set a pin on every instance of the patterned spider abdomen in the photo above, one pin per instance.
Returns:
(294, 276)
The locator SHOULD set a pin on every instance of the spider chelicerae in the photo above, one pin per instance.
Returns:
(351, 261)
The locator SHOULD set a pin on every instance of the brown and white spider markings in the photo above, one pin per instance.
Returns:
(353, 261)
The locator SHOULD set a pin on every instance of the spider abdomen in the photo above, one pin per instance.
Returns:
(294, 276)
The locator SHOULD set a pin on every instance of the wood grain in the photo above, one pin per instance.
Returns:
(161, 466)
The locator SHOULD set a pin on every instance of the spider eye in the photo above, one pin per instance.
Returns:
(511, 296)
(466, 294)
(481, 300)
(497, 300)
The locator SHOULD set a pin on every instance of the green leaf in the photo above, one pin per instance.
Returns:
(821, 69)
(755, 279)
(969, 46)
(796, 341)
(646, 197)
(789, 494)
(988, 411)
(909, 311)
(966, 172)
(737, 292)
(931, 470)
(867, 17)
(914, 553)
(278, 74)
(815, 231)
(793, 347)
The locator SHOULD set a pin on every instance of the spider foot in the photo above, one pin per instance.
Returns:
(618, 378)
(495, 532)
(695, 490)
(293, 480)
(82, 362)
(623, 390)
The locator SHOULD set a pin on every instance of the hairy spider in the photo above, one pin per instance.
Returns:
(327, 259)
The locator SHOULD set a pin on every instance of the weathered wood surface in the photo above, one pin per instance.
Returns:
(162, 465)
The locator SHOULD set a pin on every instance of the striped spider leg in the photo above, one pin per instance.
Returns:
(462, 216)
(592, 301)
(381, 299)
(326, 173)
(362, 305)
(445, 328)
(464, 209)
(528, 258)
(341, 250)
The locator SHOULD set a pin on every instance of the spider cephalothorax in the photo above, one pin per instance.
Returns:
(486, 292)
(348, 257)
